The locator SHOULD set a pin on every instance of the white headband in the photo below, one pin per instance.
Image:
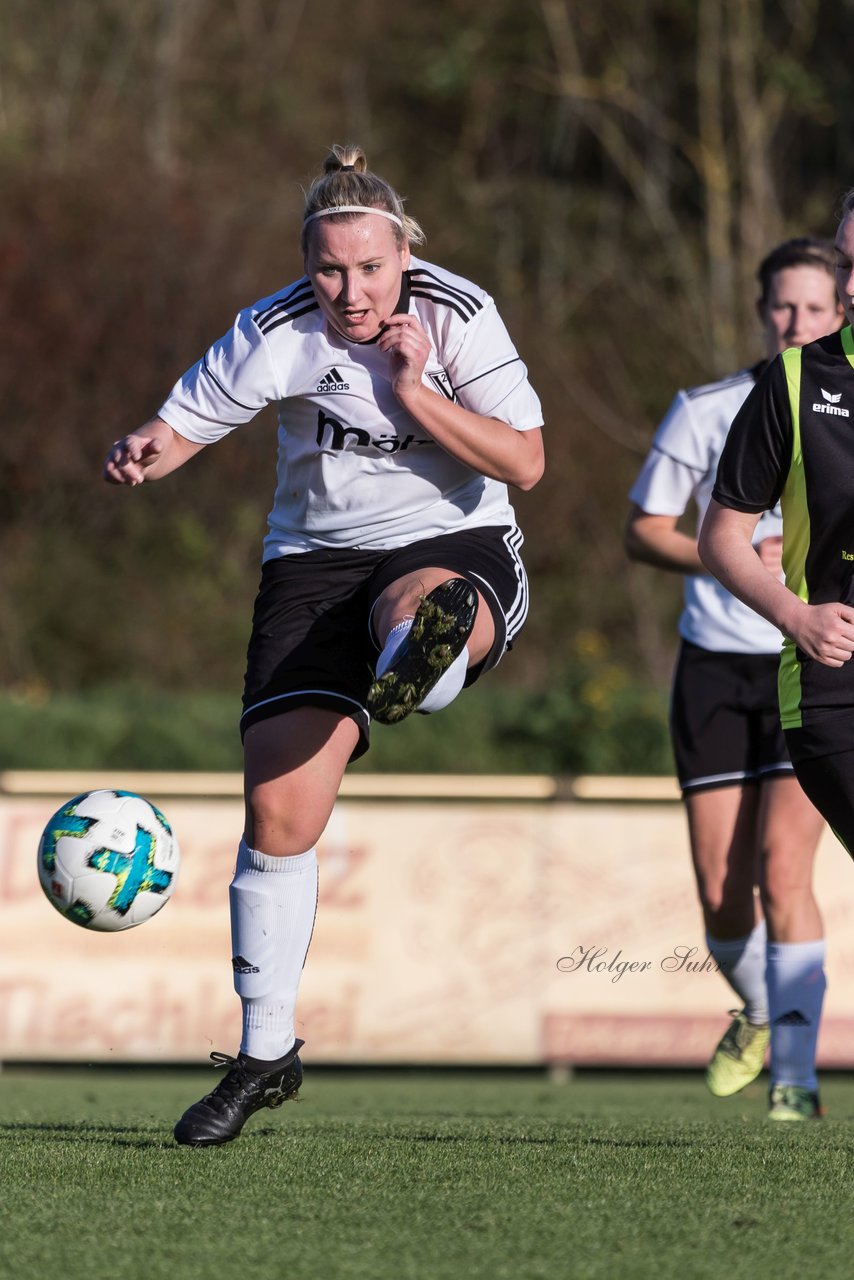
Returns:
(353, 208)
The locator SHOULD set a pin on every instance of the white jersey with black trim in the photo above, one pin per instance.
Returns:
(680, 467)
(354, 468)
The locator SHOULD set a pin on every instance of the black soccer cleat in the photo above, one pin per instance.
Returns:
(443, 623)
(220, 1115)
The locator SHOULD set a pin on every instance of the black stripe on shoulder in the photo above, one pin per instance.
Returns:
(275, 321)
(441, 300)
(427, 280)
(295, 290)
(300, 293)
(215, 380)
(487, 372)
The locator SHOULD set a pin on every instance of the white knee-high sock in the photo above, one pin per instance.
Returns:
(273, 905)
(742, 962)
(796, 987)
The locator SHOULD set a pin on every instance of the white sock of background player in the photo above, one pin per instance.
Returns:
(796, 986)
(742, 963)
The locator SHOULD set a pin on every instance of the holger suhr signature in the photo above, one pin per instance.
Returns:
(596, 960)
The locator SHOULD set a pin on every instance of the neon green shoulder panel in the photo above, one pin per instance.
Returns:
(796, 541)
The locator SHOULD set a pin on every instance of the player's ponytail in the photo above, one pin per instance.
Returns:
(348, 184)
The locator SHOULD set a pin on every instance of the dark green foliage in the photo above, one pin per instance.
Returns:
(602, 724)
(128, 727)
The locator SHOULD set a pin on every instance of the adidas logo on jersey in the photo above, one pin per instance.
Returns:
(831, 405)
(333, 382)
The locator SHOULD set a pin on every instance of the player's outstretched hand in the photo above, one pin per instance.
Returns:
(826, 632)
(127, 460)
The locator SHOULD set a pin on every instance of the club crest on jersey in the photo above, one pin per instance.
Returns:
(339, 436)
(442, 383)
(332, 381)
(831, 404)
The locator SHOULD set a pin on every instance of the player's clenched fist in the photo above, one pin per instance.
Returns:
(127, 460)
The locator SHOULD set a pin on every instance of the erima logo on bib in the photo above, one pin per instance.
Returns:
(831, 406)
(333, 382)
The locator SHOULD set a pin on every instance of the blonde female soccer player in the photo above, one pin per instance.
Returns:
(391, 572)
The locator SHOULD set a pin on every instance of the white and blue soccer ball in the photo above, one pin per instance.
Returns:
(108, 860)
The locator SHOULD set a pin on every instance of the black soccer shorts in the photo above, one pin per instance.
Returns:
(312, 643)
(724, 719)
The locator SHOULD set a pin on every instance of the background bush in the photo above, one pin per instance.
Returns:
(594, 721)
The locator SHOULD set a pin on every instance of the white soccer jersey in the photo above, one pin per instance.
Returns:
(354, 468)
(681, 467)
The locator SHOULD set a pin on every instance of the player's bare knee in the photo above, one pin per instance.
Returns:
(280, 832)
(784, 886)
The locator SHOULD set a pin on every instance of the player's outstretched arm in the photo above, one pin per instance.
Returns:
(148, 454)
(824, 631)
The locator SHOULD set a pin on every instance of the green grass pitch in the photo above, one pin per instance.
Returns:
(417, 1176)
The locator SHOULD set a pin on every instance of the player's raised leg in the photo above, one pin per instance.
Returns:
(433, 628)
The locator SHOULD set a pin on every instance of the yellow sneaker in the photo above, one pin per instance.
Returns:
(791, 1102)
(739, 1057)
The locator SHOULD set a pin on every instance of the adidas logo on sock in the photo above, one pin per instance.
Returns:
(333, 382)
(241, 965)
(794, 1018)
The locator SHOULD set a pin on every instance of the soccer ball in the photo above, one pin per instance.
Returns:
(108, 860)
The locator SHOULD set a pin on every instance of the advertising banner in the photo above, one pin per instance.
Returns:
(449, 931)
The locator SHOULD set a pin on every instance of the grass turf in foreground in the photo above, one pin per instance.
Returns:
(417, 1176)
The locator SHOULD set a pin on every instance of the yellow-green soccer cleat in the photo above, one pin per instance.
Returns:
(739, 1057)
(791, 1102)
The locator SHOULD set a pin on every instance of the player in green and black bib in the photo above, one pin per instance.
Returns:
(793, 442)
(749, 821)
